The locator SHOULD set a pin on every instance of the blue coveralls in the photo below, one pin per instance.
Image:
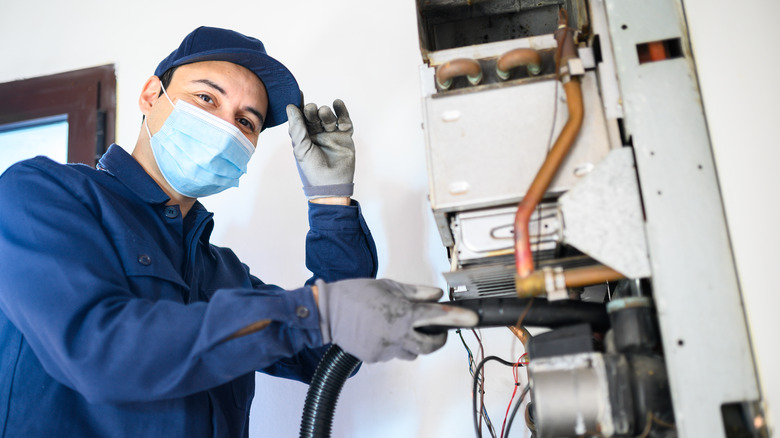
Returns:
(115, 312)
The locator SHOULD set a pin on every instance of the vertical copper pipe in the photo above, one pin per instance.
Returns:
(524, 263)
(564, 37)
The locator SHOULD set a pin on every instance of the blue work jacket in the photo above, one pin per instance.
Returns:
(118, 318)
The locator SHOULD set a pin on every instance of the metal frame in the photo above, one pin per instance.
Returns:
(702, 320)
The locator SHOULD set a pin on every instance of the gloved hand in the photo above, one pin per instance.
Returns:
(375, 320)
(323, 148)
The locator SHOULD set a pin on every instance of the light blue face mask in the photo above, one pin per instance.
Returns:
(198, 153)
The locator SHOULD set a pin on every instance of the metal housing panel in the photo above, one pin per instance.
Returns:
(699, 306)
(603, 216)
(485, 147)
(488, 233)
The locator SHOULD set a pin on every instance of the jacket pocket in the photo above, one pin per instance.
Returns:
(149, 270)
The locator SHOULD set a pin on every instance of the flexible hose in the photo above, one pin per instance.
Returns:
(334, 369)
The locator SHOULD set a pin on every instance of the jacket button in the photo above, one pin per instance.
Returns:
(144, 260)
(302, 312)
(171, 212)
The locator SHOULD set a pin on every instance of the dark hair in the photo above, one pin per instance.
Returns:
(165, 80)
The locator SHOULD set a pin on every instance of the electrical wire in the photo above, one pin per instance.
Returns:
(468, 351)
(517, 406)
(519, 323)
(481, 379)
(651, 418)
(514, 391)
(648, 426)
(480, 367)
(472, 366)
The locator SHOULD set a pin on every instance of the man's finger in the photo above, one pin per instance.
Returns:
(313, 123)
(344, 122)
(328, 119)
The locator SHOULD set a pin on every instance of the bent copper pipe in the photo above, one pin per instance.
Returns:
(524, 263)
(516, 58)
(458, 67)
(536, 283)
(522, 334)
(523, 258)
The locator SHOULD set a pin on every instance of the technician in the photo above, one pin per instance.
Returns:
(118, 318)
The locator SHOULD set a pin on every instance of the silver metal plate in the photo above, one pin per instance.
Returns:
(485, 147)
(603, 216)
(484, 233)
(694, 277)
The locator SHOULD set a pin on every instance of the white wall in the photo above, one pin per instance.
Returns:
(736, 57)
(366, 53)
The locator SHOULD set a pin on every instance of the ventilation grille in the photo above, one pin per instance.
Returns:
(498, 280)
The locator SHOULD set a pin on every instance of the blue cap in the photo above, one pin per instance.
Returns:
(214, 44)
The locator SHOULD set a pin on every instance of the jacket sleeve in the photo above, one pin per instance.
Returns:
(339, 246)
(63, 286)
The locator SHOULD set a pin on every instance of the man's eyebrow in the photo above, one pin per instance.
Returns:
(256, 113)
(212, 85)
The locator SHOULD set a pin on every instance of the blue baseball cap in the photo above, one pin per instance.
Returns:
(214, 44)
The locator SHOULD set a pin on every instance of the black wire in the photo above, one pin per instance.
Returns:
(482, 363)
(517, 406)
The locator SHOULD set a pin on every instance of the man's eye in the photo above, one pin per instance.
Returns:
(247, 123)
(206, 98)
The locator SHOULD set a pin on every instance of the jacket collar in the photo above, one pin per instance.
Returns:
(117, 162)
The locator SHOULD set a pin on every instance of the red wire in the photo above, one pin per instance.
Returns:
(517, 383)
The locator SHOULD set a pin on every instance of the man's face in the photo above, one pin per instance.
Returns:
(226, 90)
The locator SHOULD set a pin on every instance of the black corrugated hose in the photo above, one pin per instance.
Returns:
(329, 377)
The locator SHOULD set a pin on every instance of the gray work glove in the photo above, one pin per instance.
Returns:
(324, 150)
(375, 320)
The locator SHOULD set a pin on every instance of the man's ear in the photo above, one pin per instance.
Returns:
(149, 95)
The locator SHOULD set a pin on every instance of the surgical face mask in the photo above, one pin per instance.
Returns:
(198, 153)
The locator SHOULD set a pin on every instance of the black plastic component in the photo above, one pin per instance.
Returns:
(499, 312)
(567, 340)
(329, 377)
(620, 393)
(652, 399)
(634, 330)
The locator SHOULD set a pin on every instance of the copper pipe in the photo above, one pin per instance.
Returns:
(516, 58)
(524, 263)
(657, 51)
(590, 276)
(536, 283)
(523, 258)
(522, 334)
(458, 67)
(564, 37)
